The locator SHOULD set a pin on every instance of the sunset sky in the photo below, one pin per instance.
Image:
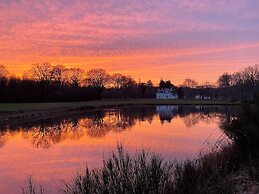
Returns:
(147, 39)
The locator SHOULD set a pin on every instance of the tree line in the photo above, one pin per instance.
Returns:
(46, 83)
(239, 86)
(49, 83)
(242, 85)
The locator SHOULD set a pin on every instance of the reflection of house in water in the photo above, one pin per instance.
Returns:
(166, 113)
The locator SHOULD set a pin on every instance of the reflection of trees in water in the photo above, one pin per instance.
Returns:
(226, 125)
(193, 119)
(102, 123)
(97, 127)
(98, 124)
(190, 120)
(42, 136)
(4, 137)
(243, 130)
(45, 136)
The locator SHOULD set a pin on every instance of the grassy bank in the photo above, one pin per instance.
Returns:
(105, 103)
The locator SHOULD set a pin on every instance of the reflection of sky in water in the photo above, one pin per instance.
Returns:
(55, 149)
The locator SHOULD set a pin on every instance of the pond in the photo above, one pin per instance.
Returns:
(52, 150)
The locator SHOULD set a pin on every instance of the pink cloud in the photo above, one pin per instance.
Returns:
(129, 35)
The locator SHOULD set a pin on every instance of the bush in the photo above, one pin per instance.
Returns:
(142, 173)
(147, 172)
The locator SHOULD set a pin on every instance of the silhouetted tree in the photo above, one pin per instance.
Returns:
(73, 76)
(143, 88)
(190, 83)
(3, 82)
(128, 83)
(162, 84)
(165, 84)
(3, 71)
(224, 80)
(207, 84)
(57, 74)
(98, 79)
(41, 72)
(149, 84)
(180, 93)
(251, 74)
(3, 76)
(119, 81)
(168, 84)
(237, 79)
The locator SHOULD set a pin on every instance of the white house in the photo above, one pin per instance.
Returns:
(166, 93)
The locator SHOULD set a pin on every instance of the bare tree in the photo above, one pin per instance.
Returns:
(27, 75)
(120, 81)
(207, 84)
(3, 79)
(41, 72)
(3, 71)
(98, 79)
(236, 79)
(251, 74)
(128, 82)
(117, 80)
(57, 74)
(224, 80)
(190, 83)
(74, 76)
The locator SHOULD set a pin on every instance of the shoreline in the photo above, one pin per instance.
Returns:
(26, 112)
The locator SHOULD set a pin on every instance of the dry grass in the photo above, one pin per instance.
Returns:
(147, 172)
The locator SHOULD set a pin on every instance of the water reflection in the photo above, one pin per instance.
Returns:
(166, 113)
(99, 123)
(54, 149)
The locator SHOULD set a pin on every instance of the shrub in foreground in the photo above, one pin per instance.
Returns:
(147, 172)
(121, 173)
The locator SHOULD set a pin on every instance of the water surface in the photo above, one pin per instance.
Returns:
(55, 149)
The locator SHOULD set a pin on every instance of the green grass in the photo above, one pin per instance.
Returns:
(95, 104)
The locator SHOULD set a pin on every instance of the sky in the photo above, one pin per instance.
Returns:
(147, 39)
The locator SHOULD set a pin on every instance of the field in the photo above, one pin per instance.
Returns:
(6, 107)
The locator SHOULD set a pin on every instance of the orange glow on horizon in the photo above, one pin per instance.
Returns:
(157, 69)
